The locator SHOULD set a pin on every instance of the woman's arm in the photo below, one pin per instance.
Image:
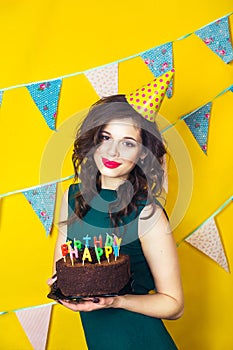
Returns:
(161, 254)
(62, 234)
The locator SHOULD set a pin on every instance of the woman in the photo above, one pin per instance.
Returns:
(121, 174)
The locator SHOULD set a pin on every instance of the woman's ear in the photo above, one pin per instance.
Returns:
(143, 155)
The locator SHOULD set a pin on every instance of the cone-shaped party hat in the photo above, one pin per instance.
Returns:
(147, 99)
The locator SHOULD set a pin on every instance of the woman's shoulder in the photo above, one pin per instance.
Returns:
(73, 189)
(151, 216)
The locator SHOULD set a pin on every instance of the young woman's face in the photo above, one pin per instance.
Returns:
(119, 151)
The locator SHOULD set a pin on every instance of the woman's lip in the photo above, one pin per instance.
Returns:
(110, 163)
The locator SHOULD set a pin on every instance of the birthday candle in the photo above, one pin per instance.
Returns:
(87, 239)
(86, 255)
(108, 251)
(99, 241)
(64, 249)
(117, 241)
(109, 240)
(73, 252)
(72, 260)
(116, 251)
(99, 252)
(77, 244)
(68, 243)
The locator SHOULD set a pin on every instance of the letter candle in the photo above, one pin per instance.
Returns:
(109, 240)
(73, 252)
(116, 246)
(100, 241)
(64, 250)
(68, 243)
(77, 244)
(87, 239)
(112, 245)
(99, 252)
(108, 251)
(86, 255)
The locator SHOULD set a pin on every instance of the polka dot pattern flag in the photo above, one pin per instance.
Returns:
(217, 37)
(198, 123)
(104, 80)
(207, 240)
(160, 60)
(42, 200)
(147, 99)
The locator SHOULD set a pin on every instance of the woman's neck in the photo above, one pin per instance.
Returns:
(109, 183)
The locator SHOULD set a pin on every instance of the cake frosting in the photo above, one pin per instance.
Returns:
(93, 279)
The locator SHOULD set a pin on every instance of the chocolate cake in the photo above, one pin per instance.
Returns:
(93, 279)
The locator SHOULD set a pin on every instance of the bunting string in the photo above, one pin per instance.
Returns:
(114, 62)
(229, 88)
(27, 308)
(36, 187)
(210, 217)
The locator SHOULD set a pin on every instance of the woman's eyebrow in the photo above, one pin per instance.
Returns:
(124, 138)
(129, 138)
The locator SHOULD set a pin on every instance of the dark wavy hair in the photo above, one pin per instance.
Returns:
(144, 181)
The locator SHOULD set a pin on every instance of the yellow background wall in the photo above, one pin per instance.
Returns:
(41, 40)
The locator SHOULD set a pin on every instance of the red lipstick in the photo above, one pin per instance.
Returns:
(110, 163)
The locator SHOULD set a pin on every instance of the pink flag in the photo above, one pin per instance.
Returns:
(104, 80)
(208, 241)
(35, 322)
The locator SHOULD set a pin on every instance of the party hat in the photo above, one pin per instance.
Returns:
(147, 99)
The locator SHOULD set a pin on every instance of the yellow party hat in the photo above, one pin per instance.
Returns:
(147, 99)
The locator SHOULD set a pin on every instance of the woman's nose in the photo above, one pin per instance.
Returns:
(113, 149)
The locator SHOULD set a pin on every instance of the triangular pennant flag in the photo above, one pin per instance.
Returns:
(46, 96)
(35, 322)
(208, 241)
(160, 60)
(104, 80)
(198, 123)
(217, 37)
(42, 200)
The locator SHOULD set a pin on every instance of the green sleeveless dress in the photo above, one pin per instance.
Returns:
(119, 329)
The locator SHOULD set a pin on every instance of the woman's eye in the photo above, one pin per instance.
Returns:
(104, 137)
(128, 144)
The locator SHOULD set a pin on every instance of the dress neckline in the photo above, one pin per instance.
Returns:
(108, 194)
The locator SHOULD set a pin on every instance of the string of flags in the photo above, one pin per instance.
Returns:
(104, 79)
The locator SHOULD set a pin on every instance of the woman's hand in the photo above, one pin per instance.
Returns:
(89, 304)
(51, 280)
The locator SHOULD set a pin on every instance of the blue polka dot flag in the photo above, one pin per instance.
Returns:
(198, 123)
(42, 200)
(160, 60)
(46, 96)
(217, 37)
